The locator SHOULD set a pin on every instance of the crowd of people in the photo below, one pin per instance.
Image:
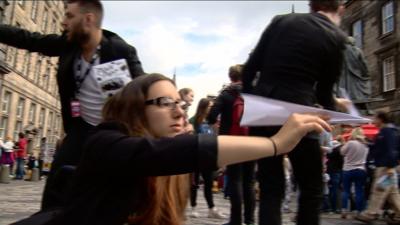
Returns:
(20, 163)
(142, 130)
(351, 161)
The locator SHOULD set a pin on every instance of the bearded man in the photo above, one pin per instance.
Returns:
(82, 46)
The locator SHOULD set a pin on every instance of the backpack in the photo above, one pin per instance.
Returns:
(237, 113)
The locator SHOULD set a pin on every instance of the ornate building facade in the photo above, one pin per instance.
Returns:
(28, 88)
(375, 25)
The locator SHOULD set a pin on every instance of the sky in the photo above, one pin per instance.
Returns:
(199, 40)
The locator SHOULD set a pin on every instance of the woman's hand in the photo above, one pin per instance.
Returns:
(295, 128)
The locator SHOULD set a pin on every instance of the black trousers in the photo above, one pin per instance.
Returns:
(208, 178)
(69, 154)
(241, 189)
(306, 160)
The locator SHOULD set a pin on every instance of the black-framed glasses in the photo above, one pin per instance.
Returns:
(167, 102)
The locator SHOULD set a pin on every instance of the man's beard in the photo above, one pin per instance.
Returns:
(78, 35)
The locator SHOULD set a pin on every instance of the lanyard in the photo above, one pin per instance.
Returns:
(79, 77)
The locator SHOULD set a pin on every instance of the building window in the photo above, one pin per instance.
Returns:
(11, 56)
(3, 127)
(41, 117)
(389, 79)
(54, 29)
(57, 125)
(37, 71)
(1, 12)
(27, 64)
(17, 130)
(357, 33)
(50, 124)
(34, 10)
(387, 17)
(38, 137)
(45, 19)
(5, 106)
(46, 78)
(32, 113)
(50, 120)
(20, 108)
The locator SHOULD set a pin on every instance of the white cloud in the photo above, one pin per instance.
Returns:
(161, 33)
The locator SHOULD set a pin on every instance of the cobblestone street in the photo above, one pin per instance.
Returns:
(19, 199)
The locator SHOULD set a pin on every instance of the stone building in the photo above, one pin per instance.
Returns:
(28, 88)
(375, 25)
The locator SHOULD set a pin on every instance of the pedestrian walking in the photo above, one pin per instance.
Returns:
(299, 59)
(7, 158)
(228, 107)
(201, 126)
(21, 153)
(385, 187)
(42, 155)
(355, 153)
(334, 168)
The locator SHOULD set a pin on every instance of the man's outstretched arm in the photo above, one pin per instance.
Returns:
(50, 45)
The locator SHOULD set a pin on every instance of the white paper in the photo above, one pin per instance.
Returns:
(112, 76)
(351, 108)
(260, 111)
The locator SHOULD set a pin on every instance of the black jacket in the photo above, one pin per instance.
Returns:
(335, 161)
(385, 150)
(112, 48)
(110, 178)
(299, 57)
(223, 107)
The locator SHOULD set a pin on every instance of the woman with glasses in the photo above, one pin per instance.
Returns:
(143, 136)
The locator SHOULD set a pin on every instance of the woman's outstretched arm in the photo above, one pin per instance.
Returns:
(235, 149)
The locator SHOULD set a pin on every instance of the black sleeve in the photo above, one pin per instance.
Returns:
(149, 156)
(216, 109)
(333, 69)
(135, 66)
(255, 60)
(324, 92)
(50, 45)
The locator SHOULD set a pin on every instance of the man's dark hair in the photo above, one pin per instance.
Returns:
(235, 73)
(325, 5)
(383, 116)
(90, 6)
(21, 135)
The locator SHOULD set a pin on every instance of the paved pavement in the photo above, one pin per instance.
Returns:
(20, 199)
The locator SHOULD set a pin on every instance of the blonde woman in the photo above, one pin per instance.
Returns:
(355, 153)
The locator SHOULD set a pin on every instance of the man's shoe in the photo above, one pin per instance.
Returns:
(216, 214)
(193, 213)
(393, 220)
(365, 217)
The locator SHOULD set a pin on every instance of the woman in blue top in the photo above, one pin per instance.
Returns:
(201, 126)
